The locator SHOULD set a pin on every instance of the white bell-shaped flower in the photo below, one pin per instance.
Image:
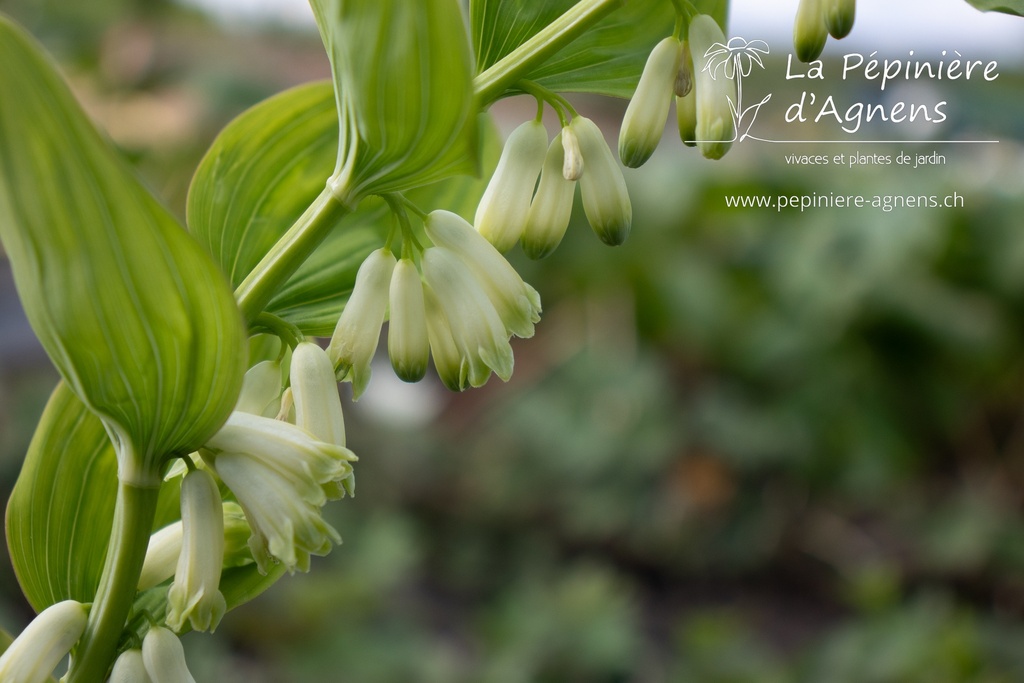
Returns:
(129, 668)
(408, 344)
(164, 657)
(195, 596)
(715, 89)
(644, 121)
(358, 330)
(501, 214)
(281, 475)
(34, 654)
(602, 187)
(517, 303)
(477, 330)
(551, 208)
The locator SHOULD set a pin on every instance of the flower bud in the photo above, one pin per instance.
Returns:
(517, 303)
(839, 17)
(315, 393)
(355, 337)
(572, 160)
(45, 641)
(644, 121)
(164, 657)
(408, 344)
(551, 208)
(602, 187)
(501, 214)
(809, 30)
(129, 668)
(716, 91)
(195, 596)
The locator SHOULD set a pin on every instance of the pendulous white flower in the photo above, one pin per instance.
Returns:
(164, 657)
(551, 208)
(408, 344)
(715, 89)
(281, 475)
(644, 121)
(476, 328)
(501, 214)
(315, 393)
(358, 330)
(839, 17)
(129, 668)
(44, 643)
(165, 547)
(195, 596)
(517, 303)
(809, 30)
(447, 360)
(602, 187)
(686, 101)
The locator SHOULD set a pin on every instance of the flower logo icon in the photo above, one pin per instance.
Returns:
(735, 59)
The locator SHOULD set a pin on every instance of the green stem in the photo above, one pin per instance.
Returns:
(511, 68)
(134, 511)
(289, 253)
(296, 245)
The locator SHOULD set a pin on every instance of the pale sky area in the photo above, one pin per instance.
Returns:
(887, 25)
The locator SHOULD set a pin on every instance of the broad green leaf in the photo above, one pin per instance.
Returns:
(1015, 7)
(62, 506)
(606, 60)
(403, 78)
(138, 320)
(262, 171)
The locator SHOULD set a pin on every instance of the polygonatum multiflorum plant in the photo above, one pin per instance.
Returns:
(182, 463)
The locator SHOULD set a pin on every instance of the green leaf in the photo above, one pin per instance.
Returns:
(403, 77)
(62, 506)
(1015, 7)
(261, 173)
(606, 60)
(137, 319)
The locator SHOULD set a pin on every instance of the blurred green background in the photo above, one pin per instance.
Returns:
(744, 447)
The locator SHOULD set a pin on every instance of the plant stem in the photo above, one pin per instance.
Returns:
(511, 68)
(289, 253)
(134, 511)
(296, 245)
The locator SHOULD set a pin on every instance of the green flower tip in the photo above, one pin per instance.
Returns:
(809, 30)
(602, 187)
(839, 17)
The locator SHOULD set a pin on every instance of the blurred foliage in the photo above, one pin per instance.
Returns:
(744, 447)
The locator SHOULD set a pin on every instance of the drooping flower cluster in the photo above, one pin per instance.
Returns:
(457, 300)
(706, 99)
(283, 473)
(510, 210)
(816, 20)
(282, 456)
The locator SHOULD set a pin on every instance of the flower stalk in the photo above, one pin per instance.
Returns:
(134, 510)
